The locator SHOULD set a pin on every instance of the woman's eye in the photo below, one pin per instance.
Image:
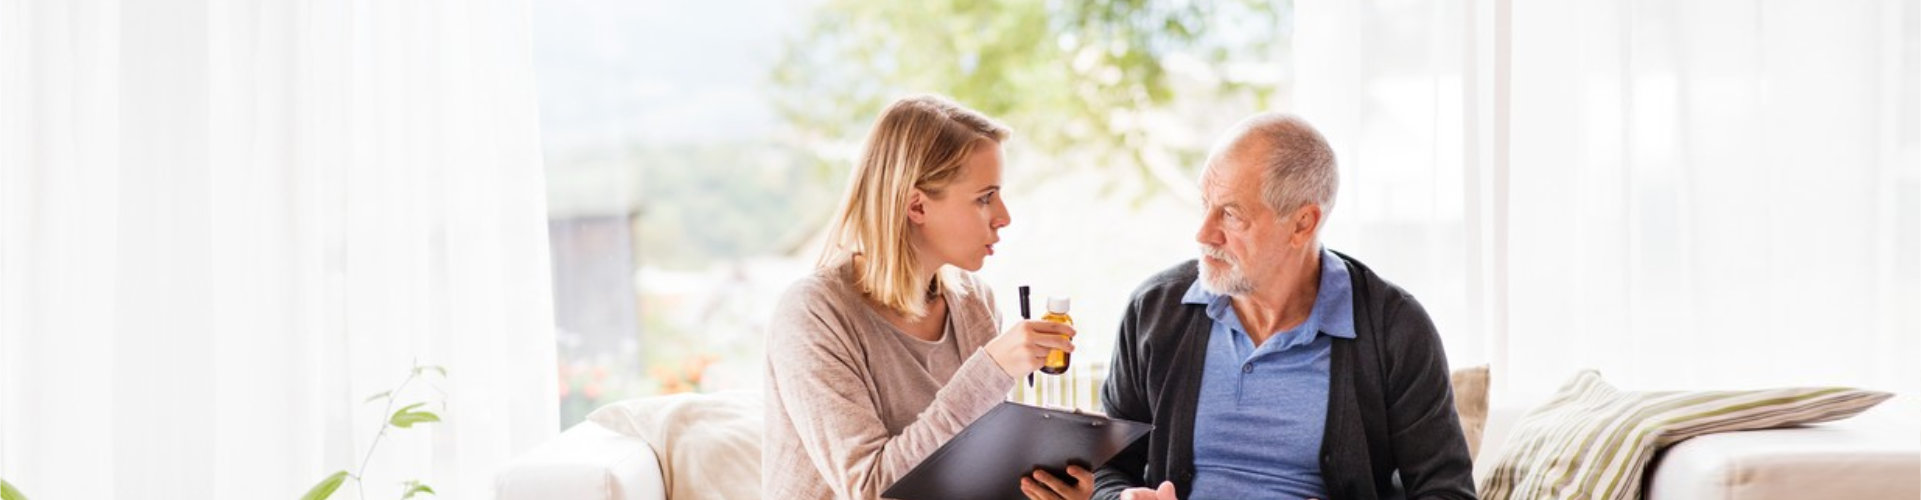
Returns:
(984, 199)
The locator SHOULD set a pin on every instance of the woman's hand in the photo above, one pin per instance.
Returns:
(1042, 485)
(1023, 348)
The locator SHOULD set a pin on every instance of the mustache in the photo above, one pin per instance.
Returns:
(1218, 254)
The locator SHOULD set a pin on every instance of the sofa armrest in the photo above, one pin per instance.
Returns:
(585, 462)
(1856, 458)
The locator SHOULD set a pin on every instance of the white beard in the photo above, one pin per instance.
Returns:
(1230, 281)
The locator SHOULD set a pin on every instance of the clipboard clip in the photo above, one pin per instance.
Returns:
(1094, 421)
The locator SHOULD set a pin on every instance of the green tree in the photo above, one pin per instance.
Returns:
(1080, 81)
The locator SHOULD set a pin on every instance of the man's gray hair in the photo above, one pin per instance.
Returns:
(1297, 165)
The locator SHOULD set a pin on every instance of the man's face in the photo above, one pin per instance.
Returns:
(1244, 244)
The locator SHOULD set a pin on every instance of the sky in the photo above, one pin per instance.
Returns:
(663, 72)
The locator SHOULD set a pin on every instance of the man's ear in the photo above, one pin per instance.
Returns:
(1306, 221)
(917, 206)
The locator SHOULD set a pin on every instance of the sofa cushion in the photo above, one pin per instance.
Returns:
(708, 444)
(1592, 441)
(1470, 402)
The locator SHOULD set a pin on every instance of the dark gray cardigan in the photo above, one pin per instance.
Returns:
(1391, 427)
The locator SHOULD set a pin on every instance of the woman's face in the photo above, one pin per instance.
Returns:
(960, 226)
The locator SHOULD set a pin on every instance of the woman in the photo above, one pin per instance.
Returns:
(889, 349)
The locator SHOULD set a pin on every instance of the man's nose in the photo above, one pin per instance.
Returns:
(1208, 234)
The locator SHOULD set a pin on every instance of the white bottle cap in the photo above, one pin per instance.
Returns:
(1058, 305)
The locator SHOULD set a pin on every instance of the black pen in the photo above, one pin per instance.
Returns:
(1026, 315)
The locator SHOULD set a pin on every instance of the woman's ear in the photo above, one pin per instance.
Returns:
(917, 206)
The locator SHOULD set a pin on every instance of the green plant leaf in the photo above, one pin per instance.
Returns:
(8, 492)
(406, 417)
(415, 488)
(378, 397)
(430, 368)
(325, 488)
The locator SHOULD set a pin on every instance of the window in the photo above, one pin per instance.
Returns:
(695, 152)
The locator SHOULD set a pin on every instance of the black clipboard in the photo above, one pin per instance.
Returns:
(987, 459)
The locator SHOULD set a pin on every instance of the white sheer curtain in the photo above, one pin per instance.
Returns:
(223, 224)
(1730, 189)
(1384, 81)
(1704, 193)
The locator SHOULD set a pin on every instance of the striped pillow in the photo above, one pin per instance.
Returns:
(1592, 441)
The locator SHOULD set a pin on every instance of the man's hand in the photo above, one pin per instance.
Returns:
(1044, 486)
(1166, 492)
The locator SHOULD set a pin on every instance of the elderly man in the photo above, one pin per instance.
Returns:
(1273, 367)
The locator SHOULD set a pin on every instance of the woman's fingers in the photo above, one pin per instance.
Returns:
(1051, 328)
(1022, 348)
(1036, 491)
(1081, 474)
(1053, 483)
(1051, 339)
(1053, 342)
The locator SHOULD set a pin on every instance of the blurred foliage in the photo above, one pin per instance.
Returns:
(684, 376)
(702, 204)
(1077, 79)
(586, 386)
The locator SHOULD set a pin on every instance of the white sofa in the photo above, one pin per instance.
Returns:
(1868, 457)
(585, 462)
(1871, 456)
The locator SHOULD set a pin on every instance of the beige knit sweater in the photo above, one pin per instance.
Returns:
(854, 403)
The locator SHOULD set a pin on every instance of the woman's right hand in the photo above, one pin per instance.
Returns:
(1023, 348)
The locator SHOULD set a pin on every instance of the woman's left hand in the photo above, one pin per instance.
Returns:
(1042, 485)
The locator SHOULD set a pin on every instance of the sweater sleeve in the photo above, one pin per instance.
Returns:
(1429, 449)
(828, 396)
(1124, 396)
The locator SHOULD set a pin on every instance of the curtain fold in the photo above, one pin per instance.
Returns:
(228, 223)
(1709, 193)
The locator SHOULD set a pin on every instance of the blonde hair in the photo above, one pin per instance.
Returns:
(918, 142)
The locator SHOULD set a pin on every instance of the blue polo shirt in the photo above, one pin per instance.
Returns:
(1258, 428)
